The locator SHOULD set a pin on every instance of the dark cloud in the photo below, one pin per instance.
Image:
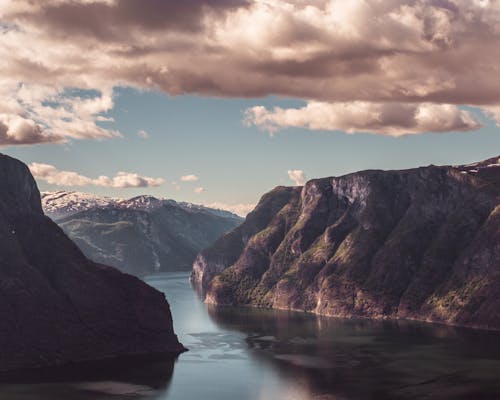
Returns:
(114, 21)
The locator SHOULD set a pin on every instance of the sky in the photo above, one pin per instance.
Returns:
(217, 102)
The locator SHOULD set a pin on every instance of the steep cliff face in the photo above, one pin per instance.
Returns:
(421, 244)
(141, 235)
(58, 307)
(227, 249)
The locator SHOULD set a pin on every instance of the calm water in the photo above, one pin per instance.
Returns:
(239, 354)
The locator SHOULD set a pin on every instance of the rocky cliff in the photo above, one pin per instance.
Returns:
(56, 306)
(141, 235)
(419, 244)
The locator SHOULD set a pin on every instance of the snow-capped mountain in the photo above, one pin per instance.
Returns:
(61, 204)
(140, 235)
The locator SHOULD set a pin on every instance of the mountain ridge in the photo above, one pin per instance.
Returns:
(378, 244)
(60, 204)
(140, 235)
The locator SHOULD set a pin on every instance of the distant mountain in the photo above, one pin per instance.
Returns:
(61, 204)
(56, 306)
(140, 235)
(421, 244)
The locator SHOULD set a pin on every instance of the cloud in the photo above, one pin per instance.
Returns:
(114, 21)
(128, 180)
(387, 52)
(189, 178)
(53, 176)
(199, 190)
(297, 176)
(44, 114)
(16, 130)
(239, 209)
(392, 119)
(493, 112)
(143, 134)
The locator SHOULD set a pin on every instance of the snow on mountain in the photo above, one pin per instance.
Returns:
(62, 204)
(473, 168)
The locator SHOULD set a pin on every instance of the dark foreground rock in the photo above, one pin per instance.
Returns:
(418, 244)
(56, 306)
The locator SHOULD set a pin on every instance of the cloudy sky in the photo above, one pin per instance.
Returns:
(216, 102)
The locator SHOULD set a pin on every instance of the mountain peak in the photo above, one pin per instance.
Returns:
(20, 195)
(61, 204)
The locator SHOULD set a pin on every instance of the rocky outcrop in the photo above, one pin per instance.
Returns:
(56, 306)
(141, 235)
(418, 244)
(227, 249)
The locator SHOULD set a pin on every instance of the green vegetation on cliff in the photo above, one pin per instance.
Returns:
(421, 243)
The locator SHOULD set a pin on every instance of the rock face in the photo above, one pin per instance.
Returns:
(419, 244)
(141, 235)
(56, 306)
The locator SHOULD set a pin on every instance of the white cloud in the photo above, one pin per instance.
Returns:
(493, 112)
(391, 119)
(298, 176)
(199, 190)
(143, 134)
(239, 209)
(189, 178)
(54, 176)
(39, 113)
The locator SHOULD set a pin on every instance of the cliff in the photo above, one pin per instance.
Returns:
(418, 244)
(56, 306)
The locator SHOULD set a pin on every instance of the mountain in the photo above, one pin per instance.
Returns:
(56, 306)
(62, 204)
(140, 235)
(419, 244)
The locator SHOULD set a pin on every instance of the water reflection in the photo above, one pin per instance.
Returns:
(118, 378)
(327, 358)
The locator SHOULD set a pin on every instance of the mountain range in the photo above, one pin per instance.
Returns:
(421, 244)
(141, 235)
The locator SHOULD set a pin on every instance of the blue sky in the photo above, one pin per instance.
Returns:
(237, 163)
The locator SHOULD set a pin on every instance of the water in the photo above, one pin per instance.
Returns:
(245, 354)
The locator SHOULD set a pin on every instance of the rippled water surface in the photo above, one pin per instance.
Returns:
(239, 354)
